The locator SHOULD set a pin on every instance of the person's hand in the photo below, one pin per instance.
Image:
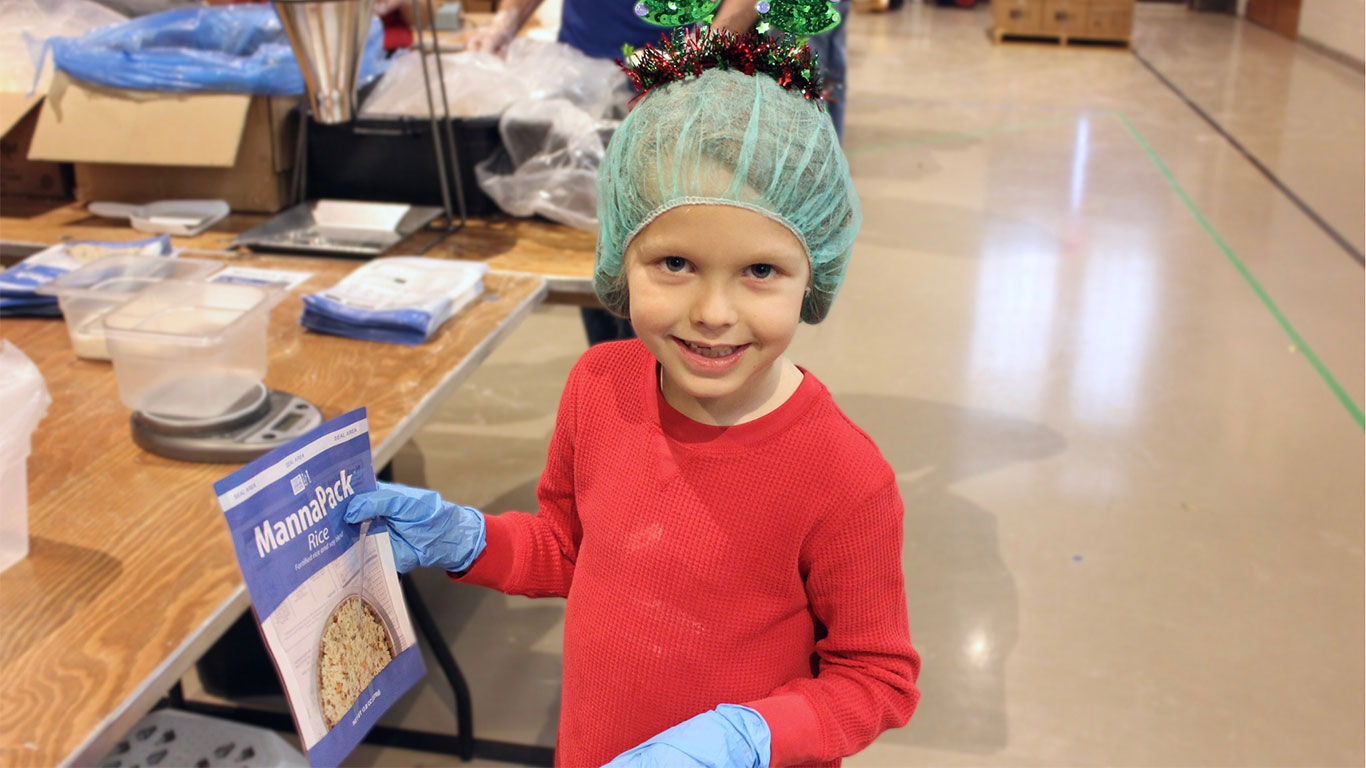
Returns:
(730, 736)
(738, 16)
(424, 529)
(495, 36)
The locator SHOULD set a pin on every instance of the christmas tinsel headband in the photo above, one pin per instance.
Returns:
(689, 53)
(786, 57)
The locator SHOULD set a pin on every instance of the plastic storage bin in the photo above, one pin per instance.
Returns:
(189, 350)
(170, 737)
(23, 401)
(87, 293)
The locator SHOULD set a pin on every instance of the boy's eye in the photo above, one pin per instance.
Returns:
(675, 263)
(761, 271)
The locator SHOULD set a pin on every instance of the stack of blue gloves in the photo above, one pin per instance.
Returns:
(426, 530)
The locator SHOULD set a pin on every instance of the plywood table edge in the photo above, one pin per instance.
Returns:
(154, 687)
(556, 284)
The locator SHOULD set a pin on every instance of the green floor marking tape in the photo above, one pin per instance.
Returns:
(1238, 264)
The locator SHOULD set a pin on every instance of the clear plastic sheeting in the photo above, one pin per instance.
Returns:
(232, 49)
(27, 23)
(476, 84)
(482, 84)
(558, 107)
(548, 164)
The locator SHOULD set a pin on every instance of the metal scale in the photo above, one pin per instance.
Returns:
(260, 420)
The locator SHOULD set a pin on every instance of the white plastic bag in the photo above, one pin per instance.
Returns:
(558, 106)
(548, 164)
(23, 399)
(29, 22)
(23, 402)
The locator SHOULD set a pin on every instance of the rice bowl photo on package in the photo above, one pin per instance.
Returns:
(352, 649)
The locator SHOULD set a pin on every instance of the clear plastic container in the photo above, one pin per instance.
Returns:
(87, 293)
(189, 350)
(23, 401)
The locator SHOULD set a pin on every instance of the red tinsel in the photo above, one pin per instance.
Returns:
(689, 53)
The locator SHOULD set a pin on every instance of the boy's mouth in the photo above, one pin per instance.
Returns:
(711, 350)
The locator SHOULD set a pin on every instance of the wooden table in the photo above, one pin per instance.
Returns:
(562, 255)
(131, 574)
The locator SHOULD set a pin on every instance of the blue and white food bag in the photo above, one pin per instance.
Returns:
(18, 284)
(396, 299)
(344, 653)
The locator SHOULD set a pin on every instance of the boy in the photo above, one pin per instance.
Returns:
(729, 543)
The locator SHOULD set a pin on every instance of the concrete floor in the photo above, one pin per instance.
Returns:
(1118, 370)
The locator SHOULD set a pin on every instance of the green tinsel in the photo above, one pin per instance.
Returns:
(688, 53)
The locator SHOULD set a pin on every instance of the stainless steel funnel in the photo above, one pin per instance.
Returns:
(328, 37)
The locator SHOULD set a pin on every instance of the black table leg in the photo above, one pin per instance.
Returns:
(464, 715)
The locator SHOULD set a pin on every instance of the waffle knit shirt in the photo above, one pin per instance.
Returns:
(757, 564)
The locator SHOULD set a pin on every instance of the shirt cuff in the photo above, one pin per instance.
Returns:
(797, 736)
(495, 565)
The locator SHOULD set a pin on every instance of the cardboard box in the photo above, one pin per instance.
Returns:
(138, 146)
(19, 176)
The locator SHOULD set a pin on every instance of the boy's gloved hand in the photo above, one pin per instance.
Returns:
(730, 736)
(424, 529)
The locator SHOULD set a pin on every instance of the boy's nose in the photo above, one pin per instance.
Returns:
(713, 308)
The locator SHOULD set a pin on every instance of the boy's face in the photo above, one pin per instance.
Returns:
(716, 295)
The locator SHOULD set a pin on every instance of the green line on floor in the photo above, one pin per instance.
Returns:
(1238, 264)
(949, 138)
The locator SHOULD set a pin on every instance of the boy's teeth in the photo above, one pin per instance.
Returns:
(710, 351)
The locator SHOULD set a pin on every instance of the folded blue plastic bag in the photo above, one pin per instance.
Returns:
(396, 299)
(232, 48)
(410, 331)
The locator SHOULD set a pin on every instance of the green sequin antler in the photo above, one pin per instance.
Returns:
(798, 18)
(676, 13)
(794, 17)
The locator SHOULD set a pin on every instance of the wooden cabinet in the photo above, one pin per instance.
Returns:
(1280, 16)
(1017, 16)
(1065, 17)
(1107, 20)
(1111, 19)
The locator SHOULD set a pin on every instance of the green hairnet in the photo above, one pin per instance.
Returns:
(729, 138)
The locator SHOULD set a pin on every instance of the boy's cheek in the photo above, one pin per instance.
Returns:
(648, 305)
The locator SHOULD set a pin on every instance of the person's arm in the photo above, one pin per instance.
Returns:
(867, 678)
(738, 16)
(495, 36)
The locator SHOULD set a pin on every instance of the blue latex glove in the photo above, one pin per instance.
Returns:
(424, 529)
(730, 736)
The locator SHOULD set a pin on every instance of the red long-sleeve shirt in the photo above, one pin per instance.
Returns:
(758, 564)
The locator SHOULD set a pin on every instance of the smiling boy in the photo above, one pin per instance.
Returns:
(728, 542)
